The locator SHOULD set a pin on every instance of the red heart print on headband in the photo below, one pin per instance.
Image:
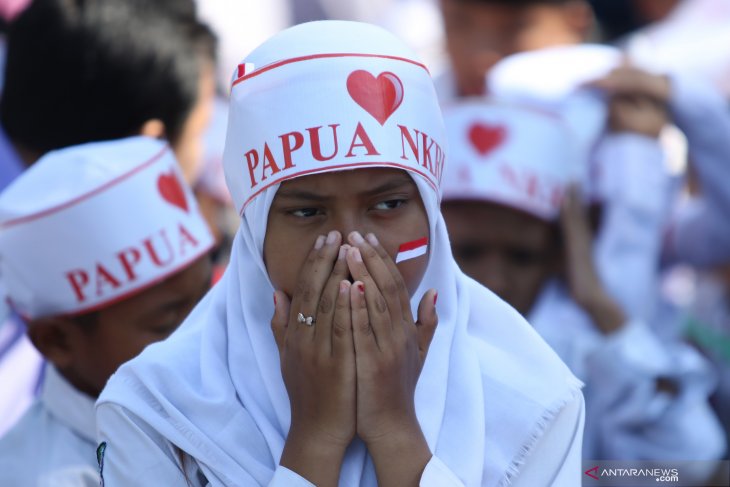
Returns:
(486, 138)
(380, 96)
(172, 191)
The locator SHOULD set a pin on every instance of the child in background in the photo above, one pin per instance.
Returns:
(479, 33)
(334, 154)
(79, 72)
(517, 227)
(102, 251)
(118, 69)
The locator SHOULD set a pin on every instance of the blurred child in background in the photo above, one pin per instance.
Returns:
(676, 61)
(102, 251)
(479, 33)
(79, 72)
(517, 227)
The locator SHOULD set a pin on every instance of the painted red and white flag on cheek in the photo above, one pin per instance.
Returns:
(411, 250)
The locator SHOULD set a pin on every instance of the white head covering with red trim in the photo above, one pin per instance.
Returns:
(360, 115)
(93, 224)
(509, 154)
(322, 97)
(555, 79)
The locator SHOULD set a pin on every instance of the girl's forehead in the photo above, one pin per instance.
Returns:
(353, 180)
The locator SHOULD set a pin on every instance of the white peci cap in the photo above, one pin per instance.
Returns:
(93, 224)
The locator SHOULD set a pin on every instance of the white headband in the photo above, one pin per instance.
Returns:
(316, 109)
(94, 224)
(510, 155)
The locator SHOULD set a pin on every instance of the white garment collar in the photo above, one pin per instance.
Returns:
(69, 405)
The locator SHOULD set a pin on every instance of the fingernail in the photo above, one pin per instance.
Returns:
(319, 243)
(372, 239)
(435, 298)
(331, 237)
(357, 238)
(343, 252)
(274, 299)
(356, 253)
(344, 285)
(361, 287)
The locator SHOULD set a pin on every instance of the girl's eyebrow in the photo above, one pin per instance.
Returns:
(393, 184)
(300, 194)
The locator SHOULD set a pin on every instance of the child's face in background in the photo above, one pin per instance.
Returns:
(385, 202)
(480, 33)
(93, 351)
(508, 251)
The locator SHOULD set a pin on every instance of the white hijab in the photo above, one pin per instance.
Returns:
(489, 387)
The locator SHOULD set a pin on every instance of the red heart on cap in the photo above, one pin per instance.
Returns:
(172, 191)
(485, 138)
(380, 96)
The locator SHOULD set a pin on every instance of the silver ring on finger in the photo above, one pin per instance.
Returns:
(305, 320)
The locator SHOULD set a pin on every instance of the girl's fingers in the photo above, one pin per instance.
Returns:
(280, 320)
(342, 340)
(376, 271)
(427, 321)
(327, 308)
(376, 306)
(403, 295)
(362, 331)
(312, 278)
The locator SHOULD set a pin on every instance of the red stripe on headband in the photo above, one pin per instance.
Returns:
(284, 62)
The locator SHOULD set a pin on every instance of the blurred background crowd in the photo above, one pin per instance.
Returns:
(588, 179)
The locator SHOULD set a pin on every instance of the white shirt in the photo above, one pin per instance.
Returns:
(54, 444)
(555, 459)
(626, 417)
(635, 191)
(699, 233)
(21, 368)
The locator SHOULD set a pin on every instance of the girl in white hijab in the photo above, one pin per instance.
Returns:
(334, 156)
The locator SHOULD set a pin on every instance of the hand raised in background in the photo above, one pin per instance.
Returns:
(584, 283)
(638, 100)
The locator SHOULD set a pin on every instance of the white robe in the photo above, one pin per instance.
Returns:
(626, 417)
(54, 444)
(699, 232)
(21, 372)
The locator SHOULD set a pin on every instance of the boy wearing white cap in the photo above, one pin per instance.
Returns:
(107, 84)
(508, 183)
(102, 251)
(334, 156)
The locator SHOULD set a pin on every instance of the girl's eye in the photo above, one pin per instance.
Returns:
(304, 212)
(389, 204)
